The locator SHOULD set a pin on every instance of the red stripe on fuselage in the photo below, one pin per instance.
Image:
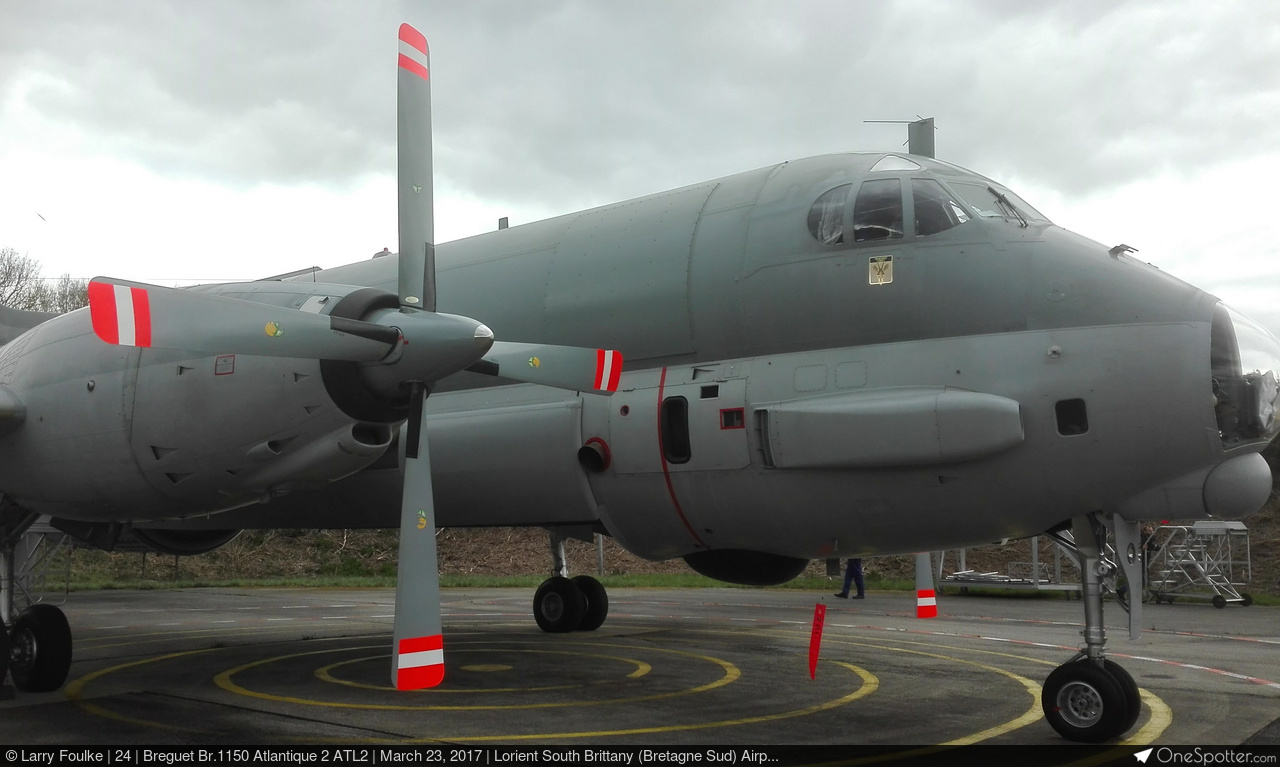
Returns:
(666, 472)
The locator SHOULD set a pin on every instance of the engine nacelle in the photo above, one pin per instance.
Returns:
(748, 568)
(182, 543)
(160, 434)
(113, 536)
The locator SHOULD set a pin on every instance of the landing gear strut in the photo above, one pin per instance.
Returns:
(36, 650)
(1089, 698)
(562, 604)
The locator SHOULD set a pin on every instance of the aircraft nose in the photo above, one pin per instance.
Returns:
(1245, 359)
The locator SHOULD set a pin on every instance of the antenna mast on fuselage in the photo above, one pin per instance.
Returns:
(919, 134)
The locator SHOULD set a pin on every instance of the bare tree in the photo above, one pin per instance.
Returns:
(23, 287)
(19, 279)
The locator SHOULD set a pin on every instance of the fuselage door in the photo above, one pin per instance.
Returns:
(698, 425)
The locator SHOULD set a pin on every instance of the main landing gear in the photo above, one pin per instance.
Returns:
(36, 651)
(562, 604)
(1090, 698)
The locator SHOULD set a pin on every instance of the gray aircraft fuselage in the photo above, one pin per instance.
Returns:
(809, 372)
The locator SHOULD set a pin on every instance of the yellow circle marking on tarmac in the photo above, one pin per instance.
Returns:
(869, 685)
(75, 691)
(483, 667)
(224, 680)
(324, 673)
(1160, 719)
(1031, 715)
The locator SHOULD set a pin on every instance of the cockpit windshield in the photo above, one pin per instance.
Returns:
(992, 201)
(1244, 359)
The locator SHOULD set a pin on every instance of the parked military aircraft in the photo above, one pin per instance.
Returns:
(846, 355)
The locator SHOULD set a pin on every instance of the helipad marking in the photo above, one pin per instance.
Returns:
(869, 685)
(324, 673)
(224, 680)
(1031, 715)
(1156, 724)
(1161, 714)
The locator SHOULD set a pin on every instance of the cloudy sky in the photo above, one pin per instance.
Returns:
(175, 142)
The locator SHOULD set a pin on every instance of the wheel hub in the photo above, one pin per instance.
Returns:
(1080, 704)
(552, 607)
(22, 653)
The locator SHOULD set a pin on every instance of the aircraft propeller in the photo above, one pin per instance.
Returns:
(409, 350)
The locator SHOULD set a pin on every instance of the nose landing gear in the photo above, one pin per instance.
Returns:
(1090, 698)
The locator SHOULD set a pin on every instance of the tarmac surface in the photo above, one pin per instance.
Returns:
(697, 666)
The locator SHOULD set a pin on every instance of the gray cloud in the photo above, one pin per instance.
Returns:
(578, 102)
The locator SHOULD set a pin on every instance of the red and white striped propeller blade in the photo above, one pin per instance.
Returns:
(566, 367)
(136, 314)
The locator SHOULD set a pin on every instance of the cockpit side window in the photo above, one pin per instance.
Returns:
(936, 209)
(877, 213)
(826, 217)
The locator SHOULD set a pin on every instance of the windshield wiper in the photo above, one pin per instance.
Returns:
(1008, 205)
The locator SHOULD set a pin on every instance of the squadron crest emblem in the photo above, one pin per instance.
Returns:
(880, 270)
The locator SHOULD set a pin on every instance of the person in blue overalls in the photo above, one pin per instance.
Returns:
(853, 574)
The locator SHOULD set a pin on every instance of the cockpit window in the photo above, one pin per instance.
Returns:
(936, 210)
(826, 217)
(991, 201)
(894, 162)
(877, 213)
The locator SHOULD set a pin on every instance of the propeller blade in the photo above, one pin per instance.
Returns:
(417, 279)
(417, 658)
(564, 367)
(135, 314)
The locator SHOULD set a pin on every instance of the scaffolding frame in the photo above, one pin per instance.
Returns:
(1205, 560)
(1036, 574)
(27, 575)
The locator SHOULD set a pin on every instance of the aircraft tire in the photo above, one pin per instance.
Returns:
(1083, 702)
(1132, 697)
(4, 652)
(597, 602)
(558, 605)
(41, 649)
